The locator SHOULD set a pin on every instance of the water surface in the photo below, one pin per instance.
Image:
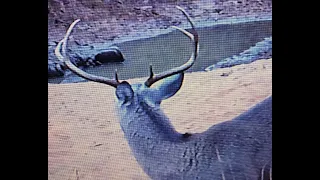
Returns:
(173, 49)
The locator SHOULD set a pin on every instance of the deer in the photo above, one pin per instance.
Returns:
(236, 149)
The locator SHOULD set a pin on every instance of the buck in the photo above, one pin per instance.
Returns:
(236, 149)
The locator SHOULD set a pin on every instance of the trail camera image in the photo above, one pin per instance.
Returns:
(161, 90)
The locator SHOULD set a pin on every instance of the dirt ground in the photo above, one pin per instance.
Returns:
(85, 138)
(107, 20)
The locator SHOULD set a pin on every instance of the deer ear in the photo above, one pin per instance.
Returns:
(124, 93)
(169, 86)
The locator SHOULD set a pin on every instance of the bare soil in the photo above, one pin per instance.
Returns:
(106, 20)
(85, 138)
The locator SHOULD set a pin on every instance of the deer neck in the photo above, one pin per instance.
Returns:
(149, 123)
(151, 138)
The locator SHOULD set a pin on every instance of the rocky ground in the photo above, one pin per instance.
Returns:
(109, 20)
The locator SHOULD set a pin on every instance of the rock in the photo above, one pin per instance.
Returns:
(153, 11)
(146, 7)
(81, 42)
(52, 43)
(83, 58)
(261, 50)
(77, 58)
(225, 74)
(53, 71)
(210, 68)
(59, 68)
(113, 54)
(218, 10)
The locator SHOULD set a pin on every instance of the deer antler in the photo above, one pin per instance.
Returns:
(66, 60)
(194, 38)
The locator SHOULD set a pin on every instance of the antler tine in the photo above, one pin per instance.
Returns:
(66, 60)
(194, 38)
